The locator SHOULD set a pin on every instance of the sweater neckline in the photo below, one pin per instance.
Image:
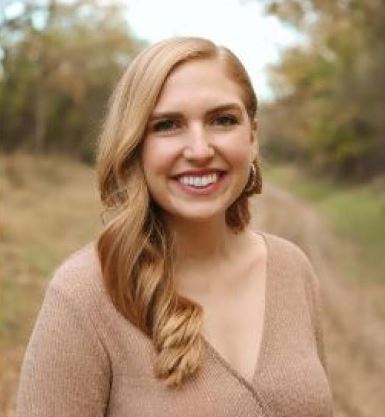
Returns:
(250, 385)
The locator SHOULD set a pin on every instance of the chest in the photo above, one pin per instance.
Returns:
(290, 380)
(295, 386)
(233, 301)
(233, 324)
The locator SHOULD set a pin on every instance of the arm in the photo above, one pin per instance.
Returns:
(315, 301)
(66, 370)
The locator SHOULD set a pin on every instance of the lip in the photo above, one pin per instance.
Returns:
(201, 172)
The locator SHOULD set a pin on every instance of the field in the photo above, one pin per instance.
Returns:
(50, 208)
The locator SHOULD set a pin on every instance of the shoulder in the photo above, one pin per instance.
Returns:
(293, 267)
(287, 252)
(79, 276)
(290, 261)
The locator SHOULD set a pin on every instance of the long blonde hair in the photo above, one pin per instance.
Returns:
(135, 248)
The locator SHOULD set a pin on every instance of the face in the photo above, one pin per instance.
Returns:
(198, 145)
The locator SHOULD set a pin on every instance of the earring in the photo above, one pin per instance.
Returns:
(252, 179)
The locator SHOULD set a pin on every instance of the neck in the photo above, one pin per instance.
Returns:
(205, 256)
(202, 243)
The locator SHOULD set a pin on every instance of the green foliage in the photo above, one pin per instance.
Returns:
(331, 92)
(56, 75)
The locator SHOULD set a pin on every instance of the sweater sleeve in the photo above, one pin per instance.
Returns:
(66, 370)
(316, 309)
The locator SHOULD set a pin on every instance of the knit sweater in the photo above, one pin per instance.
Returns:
(84, 359)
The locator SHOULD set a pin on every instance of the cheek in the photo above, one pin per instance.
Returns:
(239, 151)
(157, 158)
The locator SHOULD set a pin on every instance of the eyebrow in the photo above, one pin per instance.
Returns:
(176, 115)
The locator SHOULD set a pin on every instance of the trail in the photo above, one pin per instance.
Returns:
(354, 331)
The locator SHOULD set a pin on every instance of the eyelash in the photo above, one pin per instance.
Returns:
(224, 120)
(161, 126)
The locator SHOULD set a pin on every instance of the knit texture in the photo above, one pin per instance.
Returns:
(84, 359)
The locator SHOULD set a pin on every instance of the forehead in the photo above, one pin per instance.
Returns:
(200, 81)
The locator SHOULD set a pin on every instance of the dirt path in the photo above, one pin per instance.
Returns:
(354, 331)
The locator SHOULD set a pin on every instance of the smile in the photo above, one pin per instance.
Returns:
(199, 181)
(201, 185)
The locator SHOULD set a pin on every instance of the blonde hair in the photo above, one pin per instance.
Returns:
(135, 248)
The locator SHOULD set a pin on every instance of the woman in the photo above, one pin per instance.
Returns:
(179, 308)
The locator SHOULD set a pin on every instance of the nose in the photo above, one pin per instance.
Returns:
(198, 145)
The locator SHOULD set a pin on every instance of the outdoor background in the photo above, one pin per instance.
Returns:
(318, 66)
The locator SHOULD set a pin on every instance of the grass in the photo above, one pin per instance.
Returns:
(49, 208)
(357, 214)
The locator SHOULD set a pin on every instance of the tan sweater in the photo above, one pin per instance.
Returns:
(84, 359)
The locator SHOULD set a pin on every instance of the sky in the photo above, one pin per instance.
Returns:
(241, 25)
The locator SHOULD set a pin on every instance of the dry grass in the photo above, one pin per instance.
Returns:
(49, 207)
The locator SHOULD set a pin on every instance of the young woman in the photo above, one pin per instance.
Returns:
(179, 308)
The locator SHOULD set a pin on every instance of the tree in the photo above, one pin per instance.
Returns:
(60, 62)
(331, 91)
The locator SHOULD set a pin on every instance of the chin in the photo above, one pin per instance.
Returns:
(202, 212)
(198, 216)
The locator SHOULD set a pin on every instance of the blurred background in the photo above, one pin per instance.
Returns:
(318, 68)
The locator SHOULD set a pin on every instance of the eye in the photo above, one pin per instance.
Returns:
(225, 120)
(165, 125)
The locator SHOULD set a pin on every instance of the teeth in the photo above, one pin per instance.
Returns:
(201, 181)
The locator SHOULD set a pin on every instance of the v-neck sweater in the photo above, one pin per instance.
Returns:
(84, 359)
